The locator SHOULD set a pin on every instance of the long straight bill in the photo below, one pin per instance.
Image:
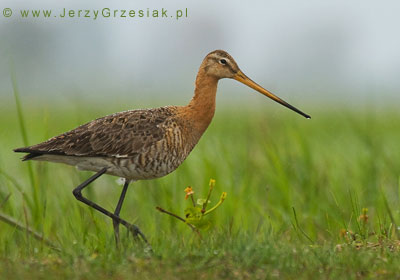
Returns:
(241, 77)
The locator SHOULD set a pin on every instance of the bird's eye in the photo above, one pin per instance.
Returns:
(222, 61)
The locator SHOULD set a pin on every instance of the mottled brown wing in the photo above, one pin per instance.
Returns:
(121, 135)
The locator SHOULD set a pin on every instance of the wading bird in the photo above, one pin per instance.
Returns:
(143, 144)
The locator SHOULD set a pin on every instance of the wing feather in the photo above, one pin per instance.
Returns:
(118, 135)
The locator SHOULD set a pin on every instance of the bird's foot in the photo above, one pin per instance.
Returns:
(135, 230)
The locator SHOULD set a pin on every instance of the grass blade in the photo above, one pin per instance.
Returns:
(22, 127)
(298, 226)
(385, 202)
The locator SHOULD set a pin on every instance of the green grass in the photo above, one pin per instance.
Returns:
(296, 189)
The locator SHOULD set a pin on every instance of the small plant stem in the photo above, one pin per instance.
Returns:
(215, 207)
(179, 218)
(170, 213)
(194, 204)
(203, 210)
(11, 221)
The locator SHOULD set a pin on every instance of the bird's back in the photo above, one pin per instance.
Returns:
(137, 144)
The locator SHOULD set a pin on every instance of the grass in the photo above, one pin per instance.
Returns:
(297, 190)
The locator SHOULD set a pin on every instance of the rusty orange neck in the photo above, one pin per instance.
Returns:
(202, 106)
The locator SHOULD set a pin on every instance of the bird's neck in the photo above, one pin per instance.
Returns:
(202, 106)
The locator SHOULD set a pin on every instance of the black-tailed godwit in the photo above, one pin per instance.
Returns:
(143, 144)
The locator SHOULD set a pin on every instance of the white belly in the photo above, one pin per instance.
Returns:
(120, 167)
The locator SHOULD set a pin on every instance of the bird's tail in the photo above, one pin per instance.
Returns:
(31, 154)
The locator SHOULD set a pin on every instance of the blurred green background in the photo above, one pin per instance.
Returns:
(308, 52)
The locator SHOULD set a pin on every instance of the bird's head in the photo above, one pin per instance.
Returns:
(221, 65)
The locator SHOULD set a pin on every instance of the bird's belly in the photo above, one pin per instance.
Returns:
(130, 168)
(134, 168)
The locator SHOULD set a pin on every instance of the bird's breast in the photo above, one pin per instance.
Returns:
(159, 159)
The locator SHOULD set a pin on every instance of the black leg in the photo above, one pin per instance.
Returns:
(78, 195)
(118, 209)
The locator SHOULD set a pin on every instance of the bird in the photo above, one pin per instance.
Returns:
(143, 144)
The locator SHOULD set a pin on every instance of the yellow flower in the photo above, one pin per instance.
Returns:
(189, 191)
(343, 232)
(223, 196)
(212, 183)
(364, 216)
